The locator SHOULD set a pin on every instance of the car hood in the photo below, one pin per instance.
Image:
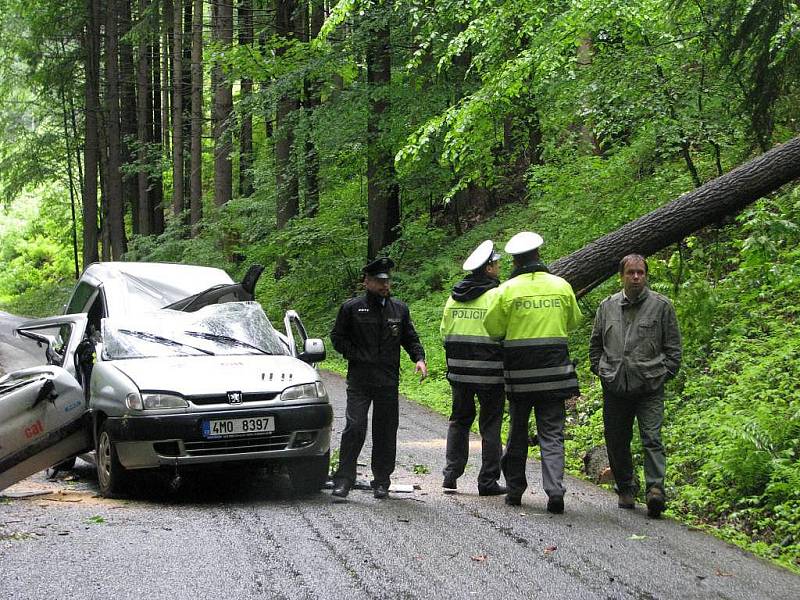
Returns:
(200, 375)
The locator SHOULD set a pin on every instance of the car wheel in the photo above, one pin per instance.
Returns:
(309, 474)
(111, 475)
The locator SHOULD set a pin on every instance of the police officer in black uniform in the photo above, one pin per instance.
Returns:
(368, 332)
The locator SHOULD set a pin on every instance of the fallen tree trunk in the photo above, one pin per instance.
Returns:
(588, 267)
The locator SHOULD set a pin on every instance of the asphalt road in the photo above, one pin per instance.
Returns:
(237, 535)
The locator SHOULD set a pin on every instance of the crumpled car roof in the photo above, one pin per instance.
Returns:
(153, 285)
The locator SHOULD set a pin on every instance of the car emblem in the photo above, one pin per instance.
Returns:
(234, 397)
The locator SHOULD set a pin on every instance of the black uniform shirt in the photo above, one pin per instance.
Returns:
(369, 335)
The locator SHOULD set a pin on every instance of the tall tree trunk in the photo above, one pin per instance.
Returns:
(168, 16)
(91, 137)
(196, 166)
(144, 126)
(177, 109)
(71, 178)
(223, 106)
(269, 105)
(287, 195)
(115, 221)
(186, 100)
(312, 100)
(246, 130)
(157, 135)
(130, 192)
(591, 265)
(383, 193)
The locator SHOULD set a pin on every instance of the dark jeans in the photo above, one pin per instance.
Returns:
(385, 413)
(618, 415)
(550, 416)
(492, 401)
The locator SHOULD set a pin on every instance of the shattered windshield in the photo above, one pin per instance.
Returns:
(218, 329)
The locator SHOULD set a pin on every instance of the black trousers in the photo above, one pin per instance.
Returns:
(385, 419)
(618, 415)
(492, 402)
(550, 415)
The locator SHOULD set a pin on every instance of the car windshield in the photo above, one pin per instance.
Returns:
(223, 329)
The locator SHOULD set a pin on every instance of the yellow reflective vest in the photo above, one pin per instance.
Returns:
(473, 357)
(532, 314)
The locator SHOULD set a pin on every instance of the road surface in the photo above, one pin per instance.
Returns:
(237, 535)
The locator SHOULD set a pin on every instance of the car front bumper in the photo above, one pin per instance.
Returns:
(144, 442)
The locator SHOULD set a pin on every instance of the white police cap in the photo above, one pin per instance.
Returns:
(481, 255)
(523, 242)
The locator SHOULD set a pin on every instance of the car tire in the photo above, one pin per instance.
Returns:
(309, 474)
(112, 477)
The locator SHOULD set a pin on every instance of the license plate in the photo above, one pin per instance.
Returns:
(237, 427)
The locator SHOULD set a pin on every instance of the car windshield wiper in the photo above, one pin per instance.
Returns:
(161, 340)
(226, 339)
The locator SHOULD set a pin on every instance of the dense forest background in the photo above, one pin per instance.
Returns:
(310, 135)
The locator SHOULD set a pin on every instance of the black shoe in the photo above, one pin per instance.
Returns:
(449, 485)
(381, 491)
(555, 505)
(626, 500)
(655, 503)
(495, 489)
(513, 499)
(340, 490)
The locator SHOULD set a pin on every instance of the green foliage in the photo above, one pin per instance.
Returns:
(567, 118)
(38, 268)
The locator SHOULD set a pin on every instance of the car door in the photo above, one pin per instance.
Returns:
(310, 350)
(44, 417)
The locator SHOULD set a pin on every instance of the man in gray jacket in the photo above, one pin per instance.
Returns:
(635, 347)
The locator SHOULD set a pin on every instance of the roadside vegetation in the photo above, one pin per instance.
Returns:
(569, 119)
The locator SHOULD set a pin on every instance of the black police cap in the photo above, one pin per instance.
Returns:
(379, 267)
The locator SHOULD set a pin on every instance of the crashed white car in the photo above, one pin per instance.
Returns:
(167, 388)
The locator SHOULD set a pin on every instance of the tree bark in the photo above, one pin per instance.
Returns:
(196, 166)
(91, 138)
(130, 192)
(287, 194)
(71, 179)
(186, 100)
(594, 263)
(246, 129)
(165, 56)
(223, 105)
(157, 192)
(312, 101)
(383, 193)
(144, 127)
(177, 109)
(115, 221)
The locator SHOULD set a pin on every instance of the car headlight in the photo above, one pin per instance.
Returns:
(154, 401)
(134, 401)
(306, 391)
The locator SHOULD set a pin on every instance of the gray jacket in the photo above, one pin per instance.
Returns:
(635, 346)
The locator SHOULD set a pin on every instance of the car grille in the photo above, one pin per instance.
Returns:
(237, 445)
(223, 398)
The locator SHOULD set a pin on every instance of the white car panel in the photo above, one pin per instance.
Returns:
(42, 421)
(202, 375)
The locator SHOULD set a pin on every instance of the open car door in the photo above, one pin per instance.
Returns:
(310, 350)
(44, 416)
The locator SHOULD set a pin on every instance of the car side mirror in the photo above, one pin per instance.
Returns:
(313, 351)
